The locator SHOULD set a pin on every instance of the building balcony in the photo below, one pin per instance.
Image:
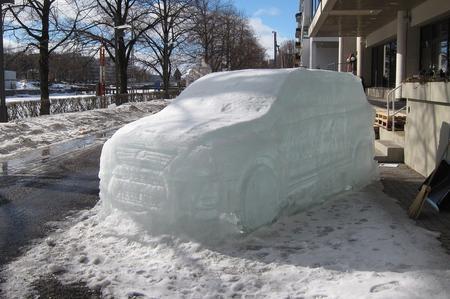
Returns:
(298, 17)
(345, 18)
(298, 45)
(305, 32)
(298, 33)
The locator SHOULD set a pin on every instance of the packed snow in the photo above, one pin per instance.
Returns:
(30, 133)
(357, 245)
(236, 149)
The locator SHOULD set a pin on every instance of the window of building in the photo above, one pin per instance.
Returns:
(305, 32)
(434, 47)
(315, 6)
(384, 64)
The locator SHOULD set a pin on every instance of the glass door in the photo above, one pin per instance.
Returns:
(384, 64)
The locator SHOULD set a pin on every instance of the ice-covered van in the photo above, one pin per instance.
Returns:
(241, 147)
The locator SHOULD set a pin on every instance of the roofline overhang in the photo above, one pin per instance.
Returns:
(321, 15)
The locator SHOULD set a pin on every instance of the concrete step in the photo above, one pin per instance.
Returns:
(396, 136)
(387, 151)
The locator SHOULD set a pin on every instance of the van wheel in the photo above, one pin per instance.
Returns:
(260, 197)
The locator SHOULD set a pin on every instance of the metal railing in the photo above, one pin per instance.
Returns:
(334, 66)
(30, 108)
(392, 112)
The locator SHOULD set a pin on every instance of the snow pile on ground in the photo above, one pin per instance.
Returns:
(236, 148)
(359, 245)
(31, 133)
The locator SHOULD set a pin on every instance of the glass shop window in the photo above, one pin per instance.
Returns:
(434, 48)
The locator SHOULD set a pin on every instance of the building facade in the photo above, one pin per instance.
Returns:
(401, 46)
(313, 52)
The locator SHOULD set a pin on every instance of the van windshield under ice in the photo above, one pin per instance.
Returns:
(243, 94)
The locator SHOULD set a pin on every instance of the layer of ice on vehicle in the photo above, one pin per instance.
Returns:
(237, 148)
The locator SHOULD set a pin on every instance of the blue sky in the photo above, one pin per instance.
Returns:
(270, 15)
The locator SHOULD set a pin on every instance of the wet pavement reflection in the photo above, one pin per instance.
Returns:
(44, 186)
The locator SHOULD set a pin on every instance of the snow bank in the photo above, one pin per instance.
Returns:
(357, 245)
(30, 133)
(237, 148)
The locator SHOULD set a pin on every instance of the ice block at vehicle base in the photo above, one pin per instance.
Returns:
(237, 149)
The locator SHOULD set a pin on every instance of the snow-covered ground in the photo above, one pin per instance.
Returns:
(31, 133)
(357, 245)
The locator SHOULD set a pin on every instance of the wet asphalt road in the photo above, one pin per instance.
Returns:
(36, 192)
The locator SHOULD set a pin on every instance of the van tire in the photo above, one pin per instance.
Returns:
(260, 194)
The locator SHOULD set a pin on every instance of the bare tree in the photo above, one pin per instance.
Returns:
(167, 36)
(206, 32)
(224, 37)
(44, 25)
(229, 20)
(118, 25)
(240, 47)
(287, 53)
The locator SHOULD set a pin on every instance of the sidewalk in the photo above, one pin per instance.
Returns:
(403, 184)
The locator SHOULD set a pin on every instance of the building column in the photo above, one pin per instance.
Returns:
(401, 50)
(359, 56)
(340, 66)
(312, 51)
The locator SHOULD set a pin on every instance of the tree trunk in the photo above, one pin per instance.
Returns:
(166, 73)
(123, 80)
(123, 66)
(43, 78)
(44, 61)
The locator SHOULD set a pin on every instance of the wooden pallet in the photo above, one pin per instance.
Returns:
(381, 120)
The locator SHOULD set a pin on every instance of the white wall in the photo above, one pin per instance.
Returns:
(383, 34)
(307, 11)
(431, 9)
(422, 14)
(428, 127)
(305, 53)
(326, 56)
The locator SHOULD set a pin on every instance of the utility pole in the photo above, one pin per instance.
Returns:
(3, 108)
(275, 46)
